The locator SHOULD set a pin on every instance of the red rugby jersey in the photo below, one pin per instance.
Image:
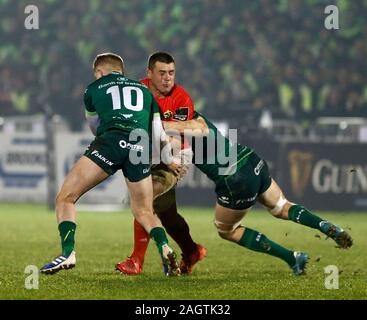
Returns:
(177, 105)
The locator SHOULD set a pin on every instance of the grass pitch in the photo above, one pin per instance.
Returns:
(29, 236)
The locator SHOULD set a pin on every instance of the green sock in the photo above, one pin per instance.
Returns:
(256, 241)
(67, 233)
(301, 215)
(159, 236)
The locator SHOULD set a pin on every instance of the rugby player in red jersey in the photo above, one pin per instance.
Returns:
(175, 106)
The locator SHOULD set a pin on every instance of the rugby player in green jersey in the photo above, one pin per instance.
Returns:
(241, 178)
(119, 111)
(176, 106)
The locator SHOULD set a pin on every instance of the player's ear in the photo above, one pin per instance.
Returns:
(98, 73)
(149, 73)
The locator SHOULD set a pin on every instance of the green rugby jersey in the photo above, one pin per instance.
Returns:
(211, 151)
(120, 103)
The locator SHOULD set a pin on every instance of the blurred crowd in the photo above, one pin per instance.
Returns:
(235, 58)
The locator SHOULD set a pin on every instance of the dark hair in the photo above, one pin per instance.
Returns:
(159, 56)
(109, 58)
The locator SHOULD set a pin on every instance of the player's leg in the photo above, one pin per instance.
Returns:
(173, 222)
(166, 208)
(235, 195)
(141, 201)
(84, 175)
(134, 263)
(274, 199)
(162, 182)
(228, 226)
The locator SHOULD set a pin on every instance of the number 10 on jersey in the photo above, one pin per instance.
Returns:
(128, 93)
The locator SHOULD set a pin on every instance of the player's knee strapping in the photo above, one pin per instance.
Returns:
(226, 229)
(276, 211)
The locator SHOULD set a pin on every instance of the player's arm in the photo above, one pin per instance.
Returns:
(93, 122)
(162, 145)
(90, 113)
(160, 140)
(196, 127)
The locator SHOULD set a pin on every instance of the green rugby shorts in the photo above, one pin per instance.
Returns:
(240, 190)
(112, 151)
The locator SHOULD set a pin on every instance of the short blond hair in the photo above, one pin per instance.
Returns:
(114, 61)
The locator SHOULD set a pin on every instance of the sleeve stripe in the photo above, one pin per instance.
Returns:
(89, 113)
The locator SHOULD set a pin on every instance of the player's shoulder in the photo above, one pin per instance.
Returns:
(90, 86)
(145, 81)
(180, 91)
(138, 84)
(116, 79)
(98, 83)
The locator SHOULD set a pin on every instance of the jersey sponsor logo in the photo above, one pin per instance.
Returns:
(167, 115)
(258, 237)
(247, 200)
(101, 86)
(127, 116)
(146, 170)
(258, 167)
(127, 145)
(99, 156)
(224, 199)
(182, 114)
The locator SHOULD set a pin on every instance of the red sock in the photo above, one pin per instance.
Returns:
(141, 241)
